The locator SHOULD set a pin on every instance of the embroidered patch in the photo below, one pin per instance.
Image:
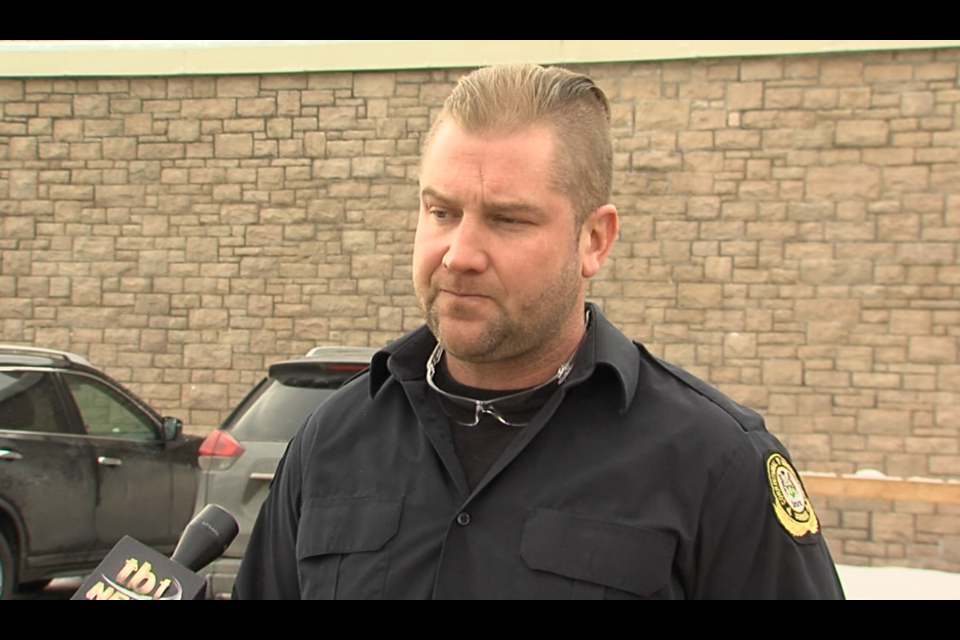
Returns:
(790, 503)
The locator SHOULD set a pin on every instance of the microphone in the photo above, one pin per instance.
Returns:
(134, 571)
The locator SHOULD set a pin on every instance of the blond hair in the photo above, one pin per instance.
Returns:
(506, 99)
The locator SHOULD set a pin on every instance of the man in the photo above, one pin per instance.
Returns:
(519, 446)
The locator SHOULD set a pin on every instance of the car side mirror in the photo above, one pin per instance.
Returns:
(172, 429)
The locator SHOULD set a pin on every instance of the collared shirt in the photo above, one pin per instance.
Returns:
(635, 480)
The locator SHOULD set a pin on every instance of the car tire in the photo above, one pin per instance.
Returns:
(8, 576)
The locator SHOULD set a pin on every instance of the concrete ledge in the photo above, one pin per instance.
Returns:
(208, 57)
(882, 488)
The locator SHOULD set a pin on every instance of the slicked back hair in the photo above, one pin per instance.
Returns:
(507, 99)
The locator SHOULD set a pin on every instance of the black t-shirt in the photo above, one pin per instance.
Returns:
(479, 446)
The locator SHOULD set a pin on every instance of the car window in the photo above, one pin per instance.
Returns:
(282, 405)
(29, 402)
(106, 413)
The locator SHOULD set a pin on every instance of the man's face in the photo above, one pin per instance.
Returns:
(497, 266)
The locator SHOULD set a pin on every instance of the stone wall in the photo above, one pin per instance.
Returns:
(790, 233)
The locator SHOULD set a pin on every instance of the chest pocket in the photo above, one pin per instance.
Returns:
(340, 545)
(598, 556)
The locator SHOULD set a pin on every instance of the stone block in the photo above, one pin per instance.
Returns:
(634, 88)
(288, 103)
(22, 185)
(282, 216)
(883, 422)
(315, 146)
(238, 86)
(207, 109)
(911, 323)
(253, 107)
(120, 196)
(929, 253)
(331, 169)
(359, 242)
(68, 130)
(11, 90)
(371, 266)
(233, 145)
(119, 149)
(367, 167)
(783, 372)
(841, 72)
(836, 272)
(657, 161)
(183, 130)
(893, 527)
(102, 128)
(748, 95)
(279, 128)
(836, 311)
(160, 151)
(863, 133)
(933, 350)
(906, 178)
(311, 329)
(71, 192)
(662, 116)
(209, 319)
(337, 118)
(737, 140)
(21, 228)
(202, 250)
(374, 85)
(843, 183)
(346, 306)
(23, 149)
(700, 296)
(207, 356)
(91, 106)
(917, 103)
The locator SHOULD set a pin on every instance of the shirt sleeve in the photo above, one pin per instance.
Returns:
(751, 545)
(268, 570)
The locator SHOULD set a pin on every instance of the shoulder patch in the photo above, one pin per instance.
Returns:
(790, 502)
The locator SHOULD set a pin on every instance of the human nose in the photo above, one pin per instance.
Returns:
(467, 251)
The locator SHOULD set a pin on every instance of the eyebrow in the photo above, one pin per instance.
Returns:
(491, 208)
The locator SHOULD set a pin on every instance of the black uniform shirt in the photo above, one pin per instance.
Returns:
(636, 480)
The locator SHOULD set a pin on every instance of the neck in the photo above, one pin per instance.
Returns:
(524, 370)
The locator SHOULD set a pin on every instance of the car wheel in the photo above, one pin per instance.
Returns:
(7, 575)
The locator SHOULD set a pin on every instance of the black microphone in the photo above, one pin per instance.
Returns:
(134, 571)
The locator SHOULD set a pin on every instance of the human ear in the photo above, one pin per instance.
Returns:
(597, 237)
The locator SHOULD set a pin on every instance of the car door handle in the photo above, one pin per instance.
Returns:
(104, 461)
(6, 454)
(262, 477)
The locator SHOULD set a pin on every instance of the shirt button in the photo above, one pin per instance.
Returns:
(464, 519)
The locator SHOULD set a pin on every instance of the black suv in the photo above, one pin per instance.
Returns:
(83, 462)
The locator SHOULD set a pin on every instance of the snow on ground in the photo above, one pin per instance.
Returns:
(895, 583)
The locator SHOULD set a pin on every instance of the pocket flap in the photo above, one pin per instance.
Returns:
(628, 558)
(347, 525)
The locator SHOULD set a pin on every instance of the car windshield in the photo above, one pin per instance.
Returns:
(281, 406)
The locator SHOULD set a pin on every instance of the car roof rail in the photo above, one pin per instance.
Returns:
(66, 355)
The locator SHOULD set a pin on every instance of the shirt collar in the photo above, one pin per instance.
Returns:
(605, 350)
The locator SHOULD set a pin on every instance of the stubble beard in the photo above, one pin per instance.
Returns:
(536, 325)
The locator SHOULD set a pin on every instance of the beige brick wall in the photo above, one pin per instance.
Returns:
(790, 233)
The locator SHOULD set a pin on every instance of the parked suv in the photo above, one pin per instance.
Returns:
(83, 462)
(238, 460)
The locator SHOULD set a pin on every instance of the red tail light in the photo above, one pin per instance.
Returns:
(221, 446)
